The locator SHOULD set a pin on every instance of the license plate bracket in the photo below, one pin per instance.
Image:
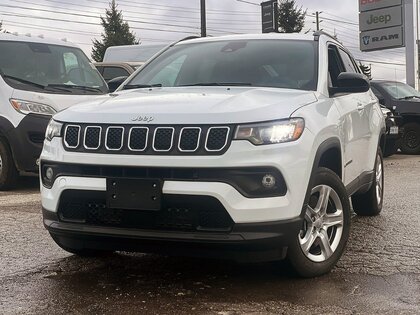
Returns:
(134, 194)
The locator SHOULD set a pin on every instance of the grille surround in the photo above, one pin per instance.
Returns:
(142, 139)
(99, 137)
(181, 135)
(107, 138)
(154, 139)
(145, 142)
(208, 135)
(78, 136)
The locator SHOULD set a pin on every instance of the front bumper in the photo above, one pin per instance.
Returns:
(245, 242)
(26, 141)
(261, 226)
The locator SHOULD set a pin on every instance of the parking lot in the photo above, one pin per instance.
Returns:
(379, 273)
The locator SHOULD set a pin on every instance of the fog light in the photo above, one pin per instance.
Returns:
(268, 181)
(49, 173)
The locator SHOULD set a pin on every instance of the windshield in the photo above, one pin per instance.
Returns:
(48, 68)
(263, 63)
(400, 90)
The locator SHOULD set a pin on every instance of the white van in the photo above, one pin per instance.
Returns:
(132, 53)
(38, 77)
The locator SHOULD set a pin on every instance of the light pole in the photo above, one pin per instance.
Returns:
(203, 18)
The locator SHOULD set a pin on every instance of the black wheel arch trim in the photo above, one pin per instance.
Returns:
(331, 143)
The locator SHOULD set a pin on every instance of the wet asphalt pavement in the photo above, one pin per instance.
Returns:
(379, 273)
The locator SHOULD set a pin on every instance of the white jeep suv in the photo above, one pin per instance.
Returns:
(243, 147)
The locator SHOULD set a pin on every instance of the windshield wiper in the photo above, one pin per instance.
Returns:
(140, 86)
(24, 81)
(219, 84)
(409, 97)
(75, 87)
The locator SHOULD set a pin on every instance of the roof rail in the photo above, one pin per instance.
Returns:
(184, 39)
(317, 34)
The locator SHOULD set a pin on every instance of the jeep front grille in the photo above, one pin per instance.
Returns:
(200, 140)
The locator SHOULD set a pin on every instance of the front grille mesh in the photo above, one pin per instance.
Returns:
(114, 138)
(72, 136)
(163, 139)
(138, 139)
(92, 137)
(189, 139)
(216, 139)
(147, 140)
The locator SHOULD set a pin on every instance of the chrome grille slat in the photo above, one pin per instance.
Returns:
(189, 139)
(163, 139)
(114, 138)
(217, 138)
(72, 136)
(92, 136)
(136, 137)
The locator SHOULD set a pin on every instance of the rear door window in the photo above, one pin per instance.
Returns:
(110, 73)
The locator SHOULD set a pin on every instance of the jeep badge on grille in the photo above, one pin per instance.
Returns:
(143, 118)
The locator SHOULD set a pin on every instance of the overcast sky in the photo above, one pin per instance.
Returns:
(168, 20)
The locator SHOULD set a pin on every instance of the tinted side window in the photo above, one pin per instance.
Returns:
(335, 65)
(110, 73)
(348, 62)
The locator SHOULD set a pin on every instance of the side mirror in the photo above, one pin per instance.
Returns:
(348, 82)
(115, 83)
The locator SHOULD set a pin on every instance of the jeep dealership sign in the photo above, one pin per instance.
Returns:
(367, 5)
(381, 24)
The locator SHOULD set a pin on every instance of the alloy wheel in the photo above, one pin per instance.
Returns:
(323, 224)
(412, 139)
(379, 179)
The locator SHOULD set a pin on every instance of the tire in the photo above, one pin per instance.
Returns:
(74, 247)
(371, 202)
(391, 148)
(410, 143)
(8, 173)
(325, 230)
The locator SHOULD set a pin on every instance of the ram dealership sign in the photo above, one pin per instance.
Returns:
(381, 24)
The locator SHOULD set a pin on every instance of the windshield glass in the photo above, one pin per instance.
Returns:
(400, 90)
(48, 68)
(263, 63)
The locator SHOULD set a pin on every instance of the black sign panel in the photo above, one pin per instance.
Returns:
(270, 16)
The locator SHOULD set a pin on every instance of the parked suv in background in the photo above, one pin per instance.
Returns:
(404, 100)
(38, 77)
(243, 147)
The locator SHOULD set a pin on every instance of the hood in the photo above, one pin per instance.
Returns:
(190, 105)
(58, 101)
(411, 106)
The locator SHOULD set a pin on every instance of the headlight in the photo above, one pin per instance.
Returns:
(26, 107)
(53, 130)
(271, 132)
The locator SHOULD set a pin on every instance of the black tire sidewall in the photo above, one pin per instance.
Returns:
(367, 204)
(302, 264)
(410, 127)
(8, 174)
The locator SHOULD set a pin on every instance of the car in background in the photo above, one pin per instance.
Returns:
(112, 70)
(393, 132)
(38, 78)
(404, 100)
